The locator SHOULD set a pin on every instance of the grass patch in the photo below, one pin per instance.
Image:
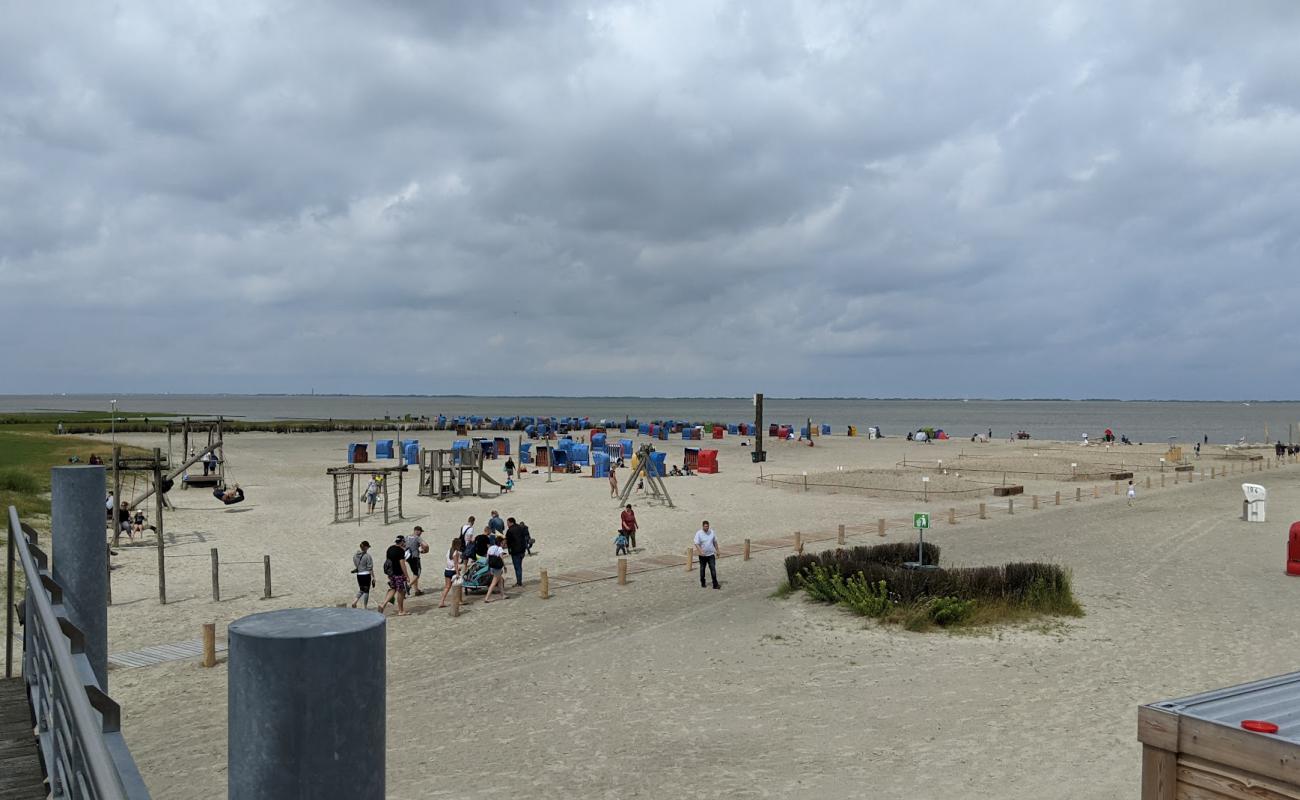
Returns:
(25, 463)
(783, 591)
(871, 582)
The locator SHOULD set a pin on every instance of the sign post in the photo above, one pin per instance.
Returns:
(920, 521)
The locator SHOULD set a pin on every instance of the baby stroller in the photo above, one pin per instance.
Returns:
(477, 578)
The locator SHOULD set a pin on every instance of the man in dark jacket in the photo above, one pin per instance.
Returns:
(517, 546)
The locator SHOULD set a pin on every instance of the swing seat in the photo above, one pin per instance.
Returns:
(201, 480)
(230, 501)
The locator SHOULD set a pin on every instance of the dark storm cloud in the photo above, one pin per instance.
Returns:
(1062, 199)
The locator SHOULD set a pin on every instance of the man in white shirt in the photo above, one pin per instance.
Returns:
(706, 546)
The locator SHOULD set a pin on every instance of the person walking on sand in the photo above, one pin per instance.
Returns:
(706, 546)
(495, 525)
(1132, 493)
(517, 546)
(510, 469)
(372, 495)
(415, 547)
(613, 482)
(497, 566)
(450, 569)
(399, 575)
(363, 566)
(628, 525)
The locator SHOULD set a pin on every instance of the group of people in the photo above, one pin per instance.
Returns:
(474, 559)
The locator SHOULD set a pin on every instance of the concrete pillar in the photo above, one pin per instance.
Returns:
(306, 704)
(80, 560)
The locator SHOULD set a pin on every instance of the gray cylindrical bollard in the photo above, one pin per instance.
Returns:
(80, 559)
(306, 701)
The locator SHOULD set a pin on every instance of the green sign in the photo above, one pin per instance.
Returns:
(920, 520)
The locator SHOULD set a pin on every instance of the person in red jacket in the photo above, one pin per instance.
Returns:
(627, 524)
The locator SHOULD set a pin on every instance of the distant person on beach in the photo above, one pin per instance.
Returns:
(1132, 493)
(620, 544)
(1198, 449)
(137, 523)
(372, 494)
(415, 547)
(613, 482)
(207, 462)
(510, 468)
(517, 547)
(496, 525)
(706, 546)
(450, 569)
(1206, 438)
(363, 566)
(467, 543)
(399, 575)
(628, 524)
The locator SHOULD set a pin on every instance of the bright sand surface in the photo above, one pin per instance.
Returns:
(661, 689)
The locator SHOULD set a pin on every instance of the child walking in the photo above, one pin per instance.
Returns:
(1132, 492)
(620, 544)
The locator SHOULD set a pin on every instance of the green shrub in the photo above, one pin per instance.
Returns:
(949, 610)
(869, 600)
(13, 479)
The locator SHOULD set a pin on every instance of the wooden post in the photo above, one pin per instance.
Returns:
(1148, 481)
(1096, 492)
(216, 576)
(158, 525)
(1078, 493)
(1211, 473)
(1034, 502)
(1116, 487)
(210, 643)
(983, 514)
(880, 526)
(117, 494)
(457, 595)
(266, 577)
(952, 516)
(1058, 497)
(747, 550)
(798, 542)
(622, 572)
(1162, 480)
(839, 539)
(1011, 505)
(544, 587)
(108, 562)
(1177, 478)
(690, 556)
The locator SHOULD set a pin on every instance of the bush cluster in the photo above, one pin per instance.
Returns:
(872, 581)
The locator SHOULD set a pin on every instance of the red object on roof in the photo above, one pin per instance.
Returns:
(707, 462)
(1259, 726)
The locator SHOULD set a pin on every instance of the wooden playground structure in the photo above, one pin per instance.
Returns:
(347, 499)
(454, 473)
(215, 446)
(642, 468)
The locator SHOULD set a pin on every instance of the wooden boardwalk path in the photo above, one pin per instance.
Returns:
(20, 760)
(159, 653)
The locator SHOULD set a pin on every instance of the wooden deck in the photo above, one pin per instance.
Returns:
(20, 762)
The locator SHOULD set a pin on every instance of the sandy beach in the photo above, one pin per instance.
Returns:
(659, 689)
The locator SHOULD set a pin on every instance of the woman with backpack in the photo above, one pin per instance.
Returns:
(451, 568)
(497, 566)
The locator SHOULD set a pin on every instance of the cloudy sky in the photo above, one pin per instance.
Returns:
(1064, 199)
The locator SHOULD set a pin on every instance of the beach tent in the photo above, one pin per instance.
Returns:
(626, 446)
(502, 444)
(657, 463)
(358, 454)
(708, 462)
(579, 454)
(644, 429)
(411, 451)
(543, 455)
(598, 440)
(560, 459)
(718, 432)
(734, 430)
(525, 456)
(804, 433)
(826, 430)
(384, 448)
(691, 457)
(599, 465)
(781, 432)
(853, 430)
(773, 430)
(663, 432)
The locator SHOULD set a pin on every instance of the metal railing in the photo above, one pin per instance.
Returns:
(78, 725)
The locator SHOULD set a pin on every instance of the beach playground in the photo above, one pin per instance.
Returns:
(654, 688)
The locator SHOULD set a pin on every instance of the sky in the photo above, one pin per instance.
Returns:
(878, 199)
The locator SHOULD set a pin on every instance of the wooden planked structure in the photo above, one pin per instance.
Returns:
(1196, 747)
(345, 491)
(20, 760)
